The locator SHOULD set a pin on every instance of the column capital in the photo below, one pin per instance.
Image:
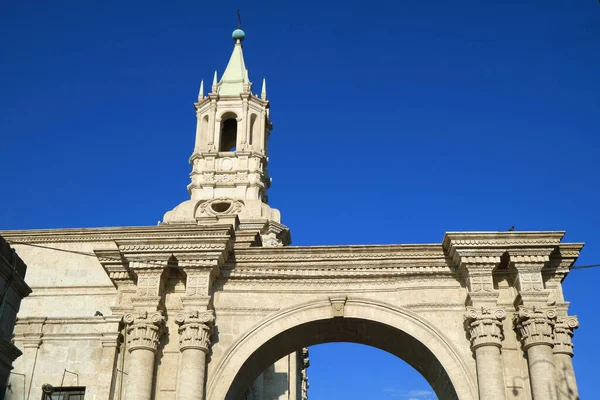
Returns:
(194, 329)
(484, 326)
(144, 330)
(563, 335)
(535, 325)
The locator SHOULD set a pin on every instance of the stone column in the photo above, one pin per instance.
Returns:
(535, 326)
(484, 326)
(563, 353)
(194, 340)
(143, 334)
(483, 321)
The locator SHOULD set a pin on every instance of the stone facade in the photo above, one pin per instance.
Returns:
(14, 289)
(213, 303)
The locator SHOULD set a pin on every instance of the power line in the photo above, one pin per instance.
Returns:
(158, 263)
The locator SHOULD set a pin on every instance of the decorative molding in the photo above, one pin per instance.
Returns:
(535, 326)
(484, 326)
(163, 231)
(144, 330)
(194, 330)
(563, 335)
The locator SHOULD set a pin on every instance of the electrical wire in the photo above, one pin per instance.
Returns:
(158, 263)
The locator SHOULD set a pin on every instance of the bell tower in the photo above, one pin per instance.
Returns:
(230, 178)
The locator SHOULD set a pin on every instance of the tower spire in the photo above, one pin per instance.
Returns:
(263, 92)
(201, 92)
(214, 84)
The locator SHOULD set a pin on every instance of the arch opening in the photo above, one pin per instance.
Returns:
(353, 371)
(353, 330)
(229, 127)
(253, 129)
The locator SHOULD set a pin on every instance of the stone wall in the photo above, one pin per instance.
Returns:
(13, 289)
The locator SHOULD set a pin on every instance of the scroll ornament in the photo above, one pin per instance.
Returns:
(563, 335)
(484, 326)
(144, 330)
(535, 325)
(194, 330)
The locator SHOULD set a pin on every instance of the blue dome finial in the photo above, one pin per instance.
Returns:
(238, 34)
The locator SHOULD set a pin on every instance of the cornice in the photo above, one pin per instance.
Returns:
(109, 234)
(510, 238)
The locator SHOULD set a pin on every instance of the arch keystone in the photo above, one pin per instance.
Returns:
(337, 305)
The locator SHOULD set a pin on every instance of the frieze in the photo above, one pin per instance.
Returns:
(331, 270)
(173, 246)
(408, 282)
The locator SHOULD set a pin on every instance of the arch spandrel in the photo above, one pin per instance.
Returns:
(313, 322)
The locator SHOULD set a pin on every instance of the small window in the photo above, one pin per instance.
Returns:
(64, 393)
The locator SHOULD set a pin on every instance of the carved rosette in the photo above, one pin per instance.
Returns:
(484, 326)
(144, 330)
(194, 330)
(563, 335)
(535, 325)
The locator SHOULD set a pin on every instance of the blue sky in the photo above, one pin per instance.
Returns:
(394, 122)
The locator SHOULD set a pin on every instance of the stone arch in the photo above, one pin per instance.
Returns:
(387, 327)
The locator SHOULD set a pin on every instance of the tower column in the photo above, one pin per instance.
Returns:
(143, 334)
(194, 340)
(535, 326)
(484, 326)
(563, 354)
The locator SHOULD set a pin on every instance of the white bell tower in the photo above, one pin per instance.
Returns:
(229, 175)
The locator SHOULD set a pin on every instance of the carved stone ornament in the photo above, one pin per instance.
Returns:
(194, 330)
(337, 305)
(563, 335)
(197, 284)
(144, 330)
(480, 282)
(535, 325)
(530, 281)
(219, 207)
(484, 326)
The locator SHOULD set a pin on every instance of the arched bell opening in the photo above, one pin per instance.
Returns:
(229, 128)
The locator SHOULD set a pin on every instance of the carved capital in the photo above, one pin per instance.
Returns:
(535, 326)
(194, 330)
(484, 326)
(563, 335)
(144, 330)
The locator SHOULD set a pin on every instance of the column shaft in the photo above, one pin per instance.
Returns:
(140, 374)
(192, 375)
(541, 372)
(565, 377)
(489, 373)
